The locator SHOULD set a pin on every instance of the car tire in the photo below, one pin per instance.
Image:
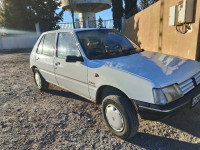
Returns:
(40, 82)
(120, 116)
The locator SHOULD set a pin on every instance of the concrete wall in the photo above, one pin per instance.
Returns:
(18, 41)
(1, 30)
(1, 45)
(151, 31)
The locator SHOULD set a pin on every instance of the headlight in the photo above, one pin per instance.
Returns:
(167, 94)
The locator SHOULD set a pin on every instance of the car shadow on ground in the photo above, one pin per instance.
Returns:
(187, 120)
(158, 142)
(63, 93)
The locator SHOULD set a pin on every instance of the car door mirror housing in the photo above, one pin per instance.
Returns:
(74, 59)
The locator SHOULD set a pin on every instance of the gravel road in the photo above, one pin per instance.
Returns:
(57, 119)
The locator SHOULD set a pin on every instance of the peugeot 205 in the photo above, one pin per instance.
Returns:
(107, 68)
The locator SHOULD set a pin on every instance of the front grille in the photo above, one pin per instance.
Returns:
(197, 78)
(187, 86)
(190, 84)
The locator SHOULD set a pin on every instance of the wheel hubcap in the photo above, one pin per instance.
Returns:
(38, 79)
(114, 118)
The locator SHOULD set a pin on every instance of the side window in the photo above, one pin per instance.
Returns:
(49, 44)
(66, 45)
(39, 50)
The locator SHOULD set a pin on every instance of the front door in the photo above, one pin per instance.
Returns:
(71, 76)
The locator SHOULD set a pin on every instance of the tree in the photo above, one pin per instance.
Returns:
(146, 3)
(130, 8)
(117, 9)
(100, 23)
(12, 13)
(153, 1)
(1, 11)
(143, 4)
(23, 14)
(44, 12)
(72, 10)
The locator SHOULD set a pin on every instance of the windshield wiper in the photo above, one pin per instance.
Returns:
(111, 52)
(129, 51)
(105, 55)
(132, 51)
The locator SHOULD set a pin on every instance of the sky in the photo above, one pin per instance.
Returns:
(105, 15)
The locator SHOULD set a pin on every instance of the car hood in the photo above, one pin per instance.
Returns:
(162, 70)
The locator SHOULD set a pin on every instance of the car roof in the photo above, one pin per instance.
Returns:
(74, 30)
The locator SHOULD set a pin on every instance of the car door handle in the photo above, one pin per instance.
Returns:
(57, 63)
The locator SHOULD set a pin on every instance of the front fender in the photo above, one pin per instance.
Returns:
(133, 86)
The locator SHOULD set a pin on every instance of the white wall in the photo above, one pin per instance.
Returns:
(18, 41)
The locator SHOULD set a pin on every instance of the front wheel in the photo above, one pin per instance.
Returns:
(40, 82)
(120, 116)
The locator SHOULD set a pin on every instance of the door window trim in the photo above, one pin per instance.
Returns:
(41, 40)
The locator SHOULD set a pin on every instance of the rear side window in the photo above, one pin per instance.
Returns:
(47, 45)
(66, 45)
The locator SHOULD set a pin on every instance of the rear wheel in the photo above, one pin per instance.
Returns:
(120, 116)
(40, 82)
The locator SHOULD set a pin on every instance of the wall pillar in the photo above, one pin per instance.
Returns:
(87, 20)
(122, 25)
(37, 28)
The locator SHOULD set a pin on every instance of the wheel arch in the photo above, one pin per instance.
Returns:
(33, 68)
(106, 90)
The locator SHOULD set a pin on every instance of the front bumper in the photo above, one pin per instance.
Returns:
(155, 112)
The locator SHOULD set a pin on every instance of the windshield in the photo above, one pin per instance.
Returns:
(105, 44)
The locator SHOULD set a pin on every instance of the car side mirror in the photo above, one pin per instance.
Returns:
(74, 59)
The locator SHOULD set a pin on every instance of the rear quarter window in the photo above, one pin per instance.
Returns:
(47, 45)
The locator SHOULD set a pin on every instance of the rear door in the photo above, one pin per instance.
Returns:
(71, 76)
(45, 55)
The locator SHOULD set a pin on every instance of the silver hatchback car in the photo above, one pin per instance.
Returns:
(105, 67)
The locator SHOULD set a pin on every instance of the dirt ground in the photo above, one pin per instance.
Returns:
(57, 119)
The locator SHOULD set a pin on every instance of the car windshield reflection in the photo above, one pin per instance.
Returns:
(105, 44)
